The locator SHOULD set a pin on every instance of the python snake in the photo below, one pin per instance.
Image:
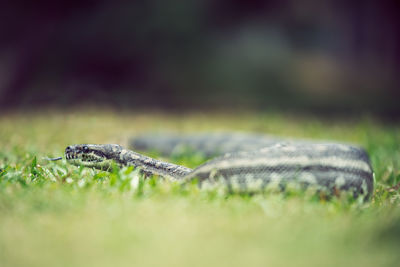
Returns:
(329, 167)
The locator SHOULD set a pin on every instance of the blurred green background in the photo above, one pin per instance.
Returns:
(56, 214)
(312, 56)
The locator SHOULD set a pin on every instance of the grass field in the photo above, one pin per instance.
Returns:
(55, 214)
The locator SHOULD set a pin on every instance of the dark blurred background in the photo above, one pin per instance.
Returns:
(315, 56)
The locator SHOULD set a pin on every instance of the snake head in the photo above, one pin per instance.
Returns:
(96, 156)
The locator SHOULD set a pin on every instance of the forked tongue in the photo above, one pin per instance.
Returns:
(52, 159)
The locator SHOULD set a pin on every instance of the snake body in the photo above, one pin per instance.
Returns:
(207, 144)
(328, 167)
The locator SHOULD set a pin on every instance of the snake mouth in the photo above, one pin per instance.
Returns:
(84, 157)
(91, 161)
(88, 160)
(94, 156)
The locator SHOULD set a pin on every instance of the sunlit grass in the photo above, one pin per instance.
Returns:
(55, 214)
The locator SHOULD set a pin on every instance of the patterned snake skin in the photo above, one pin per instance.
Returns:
(208, 144)
(263, 164)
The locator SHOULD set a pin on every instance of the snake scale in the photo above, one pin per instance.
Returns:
(246, 163)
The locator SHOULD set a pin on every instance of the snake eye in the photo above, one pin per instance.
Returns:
(85, 149)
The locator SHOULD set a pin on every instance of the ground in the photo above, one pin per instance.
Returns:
(55, 214)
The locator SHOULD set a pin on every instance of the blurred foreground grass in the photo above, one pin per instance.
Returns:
(55, 214)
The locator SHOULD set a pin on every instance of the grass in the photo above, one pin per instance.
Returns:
(55, 214)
